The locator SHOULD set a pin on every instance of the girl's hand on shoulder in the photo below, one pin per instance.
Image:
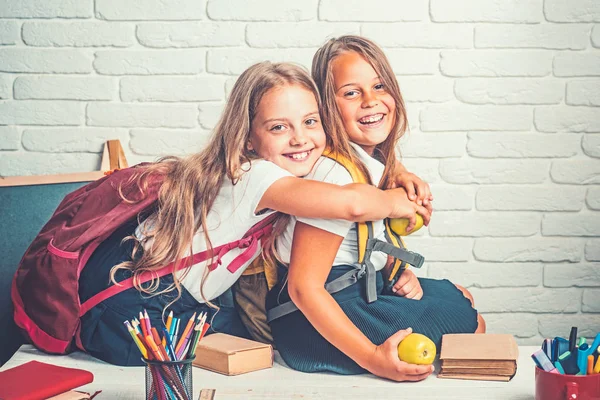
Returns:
(417, 190)
(402, 207)
(408, 286)
(386, 364)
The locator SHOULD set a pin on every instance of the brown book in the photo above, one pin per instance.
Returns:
(232, 355)
(479, 356)
(478, 371)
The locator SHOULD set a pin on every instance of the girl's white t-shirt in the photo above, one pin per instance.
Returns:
(329, 171)
(230, 217)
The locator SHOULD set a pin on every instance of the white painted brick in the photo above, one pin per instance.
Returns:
(527, 300)
(519, 324)
(488, 275)
(9, 32)
(39, 112)
(10, 138)
(591, 145)
(375, 10)
(45, 60)
(567, 119)
(141, 115)
(522, 145)
(179, 88)
(65, 87)
(150, 9)
(429, 89)
(190, 34)
(78, 34)
(494, 171)
(509, 91)
(413, 110)
(441, 249)
(432, 36)
(413, 62)
(493, 63)
(567, 275)
(544, 36)
(469, 118)
(532, 198)
(430, 144)
(560, 325)
(235, 61)
(269, 10)
(581, 172)
(452, 197)
(524, 341)
(572, 10)
(596, 36)
(477, 224)
(46, 9)
(6, 86)
(209, 114)
(592, 250)
(583, 93)
(167, 141)
(529, 250)
(593, 198)
(576, 64)
(26, 163)
(426, 169)
(148, 62)
(71, 140)
(302, 34)
(571, 225)
(591, 300)
(486, 11)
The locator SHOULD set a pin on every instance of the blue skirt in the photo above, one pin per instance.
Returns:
(443, 309)
(103, 333)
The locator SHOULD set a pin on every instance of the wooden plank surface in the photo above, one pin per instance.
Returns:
(282, 383)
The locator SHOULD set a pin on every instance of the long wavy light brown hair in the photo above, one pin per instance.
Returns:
(191, 184)
(332, 120)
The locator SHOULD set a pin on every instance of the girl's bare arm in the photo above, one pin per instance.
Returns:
(354, 202)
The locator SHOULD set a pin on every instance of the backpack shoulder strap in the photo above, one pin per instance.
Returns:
(357, 177)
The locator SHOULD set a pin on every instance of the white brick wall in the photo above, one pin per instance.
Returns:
(503, 99)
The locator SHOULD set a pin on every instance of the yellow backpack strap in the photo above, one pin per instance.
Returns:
(397, 241)
(357, 177)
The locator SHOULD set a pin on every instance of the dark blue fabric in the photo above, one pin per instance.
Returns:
(443, 309)
(103, 333)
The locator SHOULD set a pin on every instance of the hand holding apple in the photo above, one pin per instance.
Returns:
(417, 349)
(384, 361)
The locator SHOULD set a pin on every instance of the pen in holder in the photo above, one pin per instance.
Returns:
(166, 380)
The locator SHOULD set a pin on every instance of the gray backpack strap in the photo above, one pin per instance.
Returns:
(338, 284)
(371, 274)
(409, 257)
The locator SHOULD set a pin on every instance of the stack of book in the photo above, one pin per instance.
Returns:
(488, 357)
(36, 380)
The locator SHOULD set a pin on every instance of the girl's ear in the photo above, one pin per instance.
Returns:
(249, 146)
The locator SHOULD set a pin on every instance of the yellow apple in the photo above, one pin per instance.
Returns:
(417, 349)
(399, 225)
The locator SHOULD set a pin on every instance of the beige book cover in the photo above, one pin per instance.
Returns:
(479, 356)
(232, 355)
(71, 395)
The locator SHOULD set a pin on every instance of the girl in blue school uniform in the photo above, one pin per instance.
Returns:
(342, 332)
(270, 133)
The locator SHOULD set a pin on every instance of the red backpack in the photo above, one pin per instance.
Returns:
(46, 285)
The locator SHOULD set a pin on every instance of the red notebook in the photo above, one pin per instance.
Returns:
(36, 380)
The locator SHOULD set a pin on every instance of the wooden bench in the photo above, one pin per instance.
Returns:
(283, 383)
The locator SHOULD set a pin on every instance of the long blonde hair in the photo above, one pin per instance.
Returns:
(323, 76)
(191, 184)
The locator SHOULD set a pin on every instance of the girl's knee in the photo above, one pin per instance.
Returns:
(466, 293)
(480, 324)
